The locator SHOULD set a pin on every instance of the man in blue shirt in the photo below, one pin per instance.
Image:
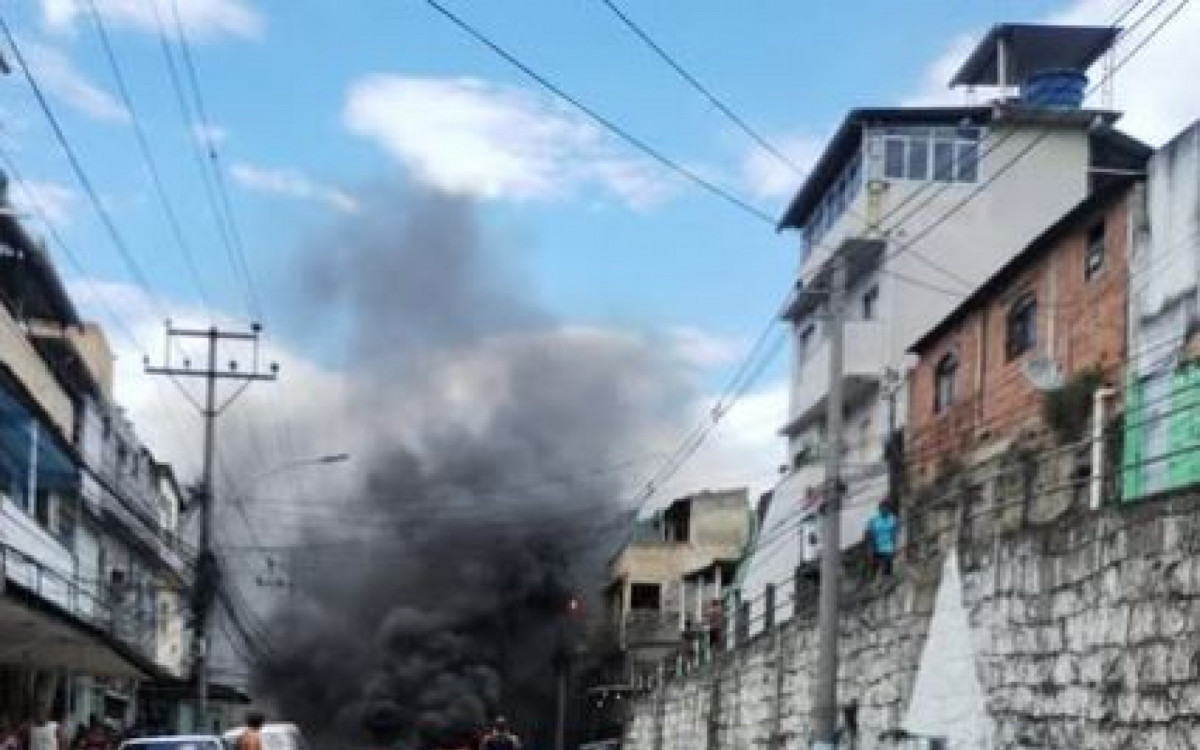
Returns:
(883, 531)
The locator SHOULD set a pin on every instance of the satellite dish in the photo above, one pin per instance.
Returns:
(1042, 372)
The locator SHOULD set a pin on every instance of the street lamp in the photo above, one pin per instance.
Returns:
(300, 463)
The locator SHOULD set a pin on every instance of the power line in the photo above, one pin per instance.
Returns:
(232, 234)
(222, 191)
(81, 175)
(998, 142)
(707, 93)
(147, 154)
(1023, 152)
(605, 122)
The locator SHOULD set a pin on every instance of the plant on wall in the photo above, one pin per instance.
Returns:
(1066, 409)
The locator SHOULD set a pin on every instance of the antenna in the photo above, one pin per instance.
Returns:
(1043, 372)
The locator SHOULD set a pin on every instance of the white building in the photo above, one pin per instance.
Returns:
(92, 570)
(1162, 450)
(923, 203)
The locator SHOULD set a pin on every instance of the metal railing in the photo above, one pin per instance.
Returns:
(63, 590)
(77, 598)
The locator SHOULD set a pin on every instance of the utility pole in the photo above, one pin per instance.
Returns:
(891, 447)
(825, 696)
(204, 587)
(560, 706)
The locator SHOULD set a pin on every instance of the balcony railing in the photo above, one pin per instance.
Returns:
(83, 600)
(646, 627)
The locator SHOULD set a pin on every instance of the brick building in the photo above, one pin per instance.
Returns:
(1055, 311)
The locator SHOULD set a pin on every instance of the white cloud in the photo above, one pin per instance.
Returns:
(934, 89)
(472, 137)
(292, 184)
(202, 19)
(56, 73)
(744, 450)
(700, 348)
(1153, 89)
(209, 134)
(49, 199)
(769, 177)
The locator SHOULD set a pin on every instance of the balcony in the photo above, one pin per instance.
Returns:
(863, 356)
(651, 627)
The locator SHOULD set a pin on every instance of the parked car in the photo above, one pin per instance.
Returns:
(275, 736)
(178, 742)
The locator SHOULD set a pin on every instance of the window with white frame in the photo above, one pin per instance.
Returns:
(941, 154)
(833, 204)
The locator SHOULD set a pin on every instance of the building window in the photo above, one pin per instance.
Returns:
(1021, 334)
(645, 596)
(805, 342)
(1093, 259)
(943, 154)
(870, 303)
(838, 197)
(944, 375)
(893, 158)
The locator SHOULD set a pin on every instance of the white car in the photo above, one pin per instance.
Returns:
(278, 736)
(177, 742)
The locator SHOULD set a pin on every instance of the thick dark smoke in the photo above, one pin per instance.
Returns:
(480, 424)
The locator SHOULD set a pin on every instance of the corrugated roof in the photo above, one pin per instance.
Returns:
(1033, 48)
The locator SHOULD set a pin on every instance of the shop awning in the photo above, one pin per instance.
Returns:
(37, 633)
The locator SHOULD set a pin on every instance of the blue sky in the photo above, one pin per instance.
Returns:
(277, 77)
(314, 104)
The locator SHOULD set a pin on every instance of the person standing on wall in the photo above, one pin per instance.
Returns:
(883, 531)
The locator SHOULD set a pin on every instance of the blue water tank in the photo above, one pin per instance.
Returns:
(1054, 89)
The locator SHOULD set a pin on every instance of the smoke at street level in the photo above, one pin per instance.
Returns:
(479, 422)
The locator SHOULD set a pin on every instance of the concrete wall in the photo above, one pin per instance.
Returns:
(1082, 637)
(19, 356)
(1164, 310)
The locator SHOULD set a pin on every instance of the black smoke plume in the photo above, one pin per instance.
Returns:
(494, 446)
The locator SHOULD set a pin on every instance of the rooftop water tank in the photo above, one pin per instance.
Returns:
(1054, 89)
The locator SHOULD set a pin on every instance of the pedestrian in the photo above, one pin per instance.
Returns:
(46, 734)
(715, 617)
(882, 532)
(500, 738)
(251, 739)
(95, 736)
(10, 734)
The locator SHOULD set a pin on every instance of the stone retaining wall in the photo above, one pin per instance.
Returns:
(1086, 634)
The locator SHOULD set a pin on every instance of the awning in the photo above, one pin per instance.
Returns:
(36, 633)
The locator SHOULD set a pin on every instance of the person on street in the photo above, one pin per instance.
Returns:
(10, 734)
(500, 738)
(94, 736)
(882, 532)
(251, 739)
(46, 734)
